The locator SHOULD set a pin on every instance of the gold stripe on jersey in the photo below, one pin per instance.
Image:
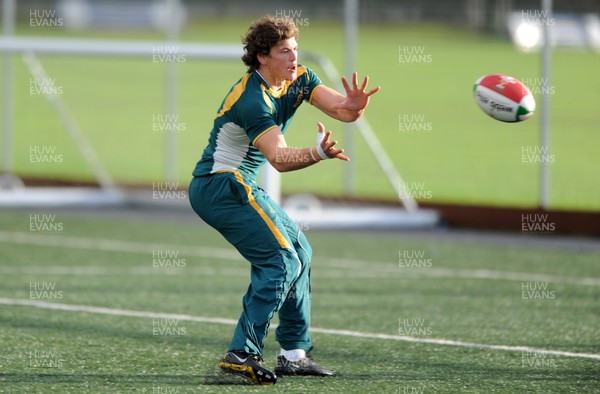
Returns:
(278, 234)
(234, 95)
(266, 97)
(239, 88)
(312, 93)
(263, 133)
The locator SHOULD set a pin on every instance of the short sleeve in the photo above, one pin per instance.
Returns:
(312, 82)
(256, 119)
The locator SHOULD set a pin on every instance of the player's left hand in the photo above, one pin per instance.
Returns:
(356, 98)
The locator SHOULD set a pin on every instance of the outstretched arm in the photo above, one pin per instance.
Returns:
(344, 108)
(283, 158)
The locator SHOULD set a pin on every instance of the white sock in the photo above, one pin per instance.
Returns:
(294, 354)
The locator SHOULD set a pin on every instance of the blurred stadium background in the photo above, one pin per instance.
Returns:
(426, 57)
(107, 105)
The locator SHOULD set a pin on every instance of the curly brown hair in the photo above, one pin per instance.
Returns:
(263, 34)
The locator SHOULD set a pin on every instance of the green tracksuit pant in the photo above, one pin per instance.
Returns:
(277, 250)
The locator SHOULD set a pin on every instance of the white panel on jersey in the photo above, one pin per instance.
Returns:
(232, 146)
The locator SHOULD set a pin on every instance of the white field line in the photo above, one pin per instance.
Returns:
(216, 320)
(360, 268)
(139, 270)
(112, 245)
(244, 271)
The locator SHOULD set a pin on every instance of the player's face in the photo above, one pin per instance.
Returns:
(283, 60)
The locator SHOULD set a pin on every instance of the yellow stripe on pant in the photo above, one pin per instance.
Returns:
(278, 235)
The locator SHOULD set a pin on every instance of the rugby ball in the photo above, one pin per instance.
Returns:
(504, 98)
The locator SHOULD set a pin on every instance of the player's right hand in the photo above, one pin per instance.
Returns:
(326, 148)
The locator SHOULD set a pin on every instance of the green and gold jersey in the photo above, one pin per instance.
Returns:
(251, 109)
